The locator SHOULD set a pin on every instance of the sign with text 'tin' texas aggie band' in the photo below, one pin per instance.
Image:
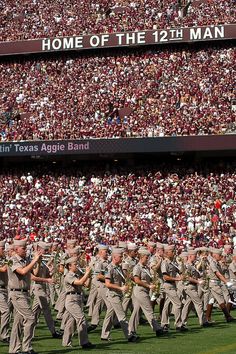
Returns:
(117, 40)
(119, 146)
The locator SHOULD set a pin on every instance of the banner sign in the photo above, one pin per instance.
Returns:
(119, 146)
(117, 40)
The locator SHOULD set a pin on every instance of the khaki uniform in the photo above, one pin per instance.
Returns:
(19, 287)
(214, 283)
(127, 266)
(93, 293)
(100, 267)
(168, 268)
(141, 299)
(203, 290)
(225, 272)
(114, 302)
(41, 299)
(192, 296)
(4, 306)
(232, 275)
(74, 308)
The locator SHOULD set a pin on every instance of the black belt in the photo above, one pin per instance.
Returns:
(21, 290)
(2, 287)
(73, 293)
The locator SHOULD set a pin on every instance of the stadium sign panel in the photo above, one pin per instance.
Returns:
(119, 146)
(116, 40)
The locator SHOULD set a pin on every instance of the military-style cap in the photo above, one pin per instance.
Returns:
(21, 243)
(44, 245)
(102, 247)
(71, 260)
(184, 254)
(71, 242)
(117, 250)
(169, 247)
(215, 250)
(122, 244)
(74, 250)
(159, 245)
(2, 243)
(192, 252)
(151, 244)
(143, 252)
(132, 247)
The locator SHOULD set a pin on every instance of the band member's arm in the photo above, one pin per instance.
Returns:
(82, 280)
(3, 269)
(42, 280)
(25, 270)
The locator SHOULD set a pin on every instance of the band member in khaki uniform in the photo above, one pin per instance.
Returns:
(141, 298)
(4, 308)
(202, 266)
(191, 283)
(60, 304)
(216, 277)
(41, 299)
(127, 267)
(19, 275)
(224, 263)
(73, 283)
(170, 276)
(114, 280)
(100, 268)
(232, 275)
(155, 267)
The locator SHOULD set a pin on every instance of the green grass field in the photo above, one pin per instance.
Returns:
(219, 339)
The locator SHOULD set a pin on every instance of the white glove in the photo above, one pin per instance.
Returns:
(229, 284)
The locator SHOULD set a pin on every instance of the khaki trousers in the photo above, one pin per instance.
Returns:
(114, 306)
(171, 298)
(141, 299)
(100, 301)
(192, 298)
(24, 321)
(41, 303)
(74, 306)
(5, 314)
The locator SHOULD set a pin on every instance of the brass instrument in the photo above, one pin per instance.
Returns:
(157, 283)
(4, 261)
(129, 283)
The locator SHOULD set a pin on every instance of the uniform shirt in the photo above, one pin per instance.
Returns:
(143, 273)
(225, 269)
(15, 280)
(116, 276)
(100, 267)
(129, 263)
(214, 267)
(153, 262)
(232, 270)
(169, 268)
(3, 275)
(43, 272)
(69, 285)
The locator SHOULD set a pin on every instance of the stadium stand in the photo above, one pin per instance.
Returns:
(145, 93)
(38, 19)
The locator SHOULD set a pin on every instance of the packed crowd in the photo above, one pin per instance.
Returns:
(37, 19)
(168, 203)
(141, 93)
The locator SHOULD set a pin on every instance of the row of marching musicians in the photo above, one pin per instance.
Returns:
(127, 278)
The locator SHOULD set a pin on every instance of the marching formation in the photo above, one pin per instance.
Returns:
(125, 281)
